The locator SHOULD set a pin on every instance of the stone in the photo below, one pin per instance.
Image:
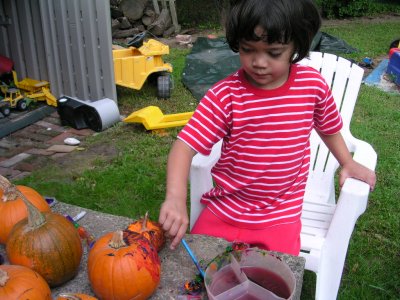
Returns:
(14, 160)
(61, 148)
(176, 265)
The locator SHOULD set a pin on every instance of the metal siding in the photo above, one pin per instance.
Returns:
(4, 49)
(78, 56)
(107, 65)
(67, 43)
(39, 41)
(14, 37)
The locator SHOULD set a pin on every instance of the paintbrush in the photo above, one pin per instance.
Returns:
(193, 257)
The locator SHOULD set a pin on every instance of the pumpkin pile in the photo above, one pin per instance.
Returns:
(45, 251)
(45, 242)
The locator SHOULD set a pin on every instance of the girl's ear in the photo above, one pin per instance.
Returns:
(294, 57)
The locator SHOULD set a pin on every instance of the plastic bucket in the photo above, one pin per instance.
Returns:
(249, 274)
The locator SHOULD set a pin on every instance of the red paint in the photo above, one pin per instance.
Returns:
(268, 280)
(226, 279)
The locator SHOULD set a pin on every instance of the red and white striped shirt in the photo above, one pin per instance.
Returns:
(261, 176)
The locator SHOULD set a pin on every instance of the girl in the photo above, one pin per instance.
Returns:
(264, 113)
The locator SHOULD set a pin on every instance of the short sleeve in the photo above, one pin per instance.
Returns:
(207, 125)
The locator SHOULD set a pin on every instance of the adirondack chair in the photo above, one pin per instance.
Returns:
(327, 223)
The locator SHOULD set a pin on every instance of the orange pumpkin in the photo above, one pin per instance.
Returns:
(47, 243)
(75, 296)
(123, 266)
(150, 230)
(13, 209)
(19, 282)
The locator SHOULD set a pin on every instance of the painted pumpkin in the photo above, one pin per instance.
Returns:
(47, 243)
(75, 296)
(123, 266)
(150, 230)
(13, 209)
(19, 282)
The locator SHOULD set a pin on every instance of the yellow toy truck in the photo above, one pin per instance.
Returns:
(13, 99)
(37, 90)
(133, 65)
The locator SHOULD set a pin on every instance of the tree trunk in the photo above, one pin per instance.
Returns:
(133, 9)
(125, 33)
(163, 22)
(115, 25)
(147, 20)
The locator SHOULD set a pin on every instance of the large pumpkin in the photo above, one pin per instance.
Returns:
(123, 266)
(150, 230)
(13, 209)
(47, 243)
(19, 282)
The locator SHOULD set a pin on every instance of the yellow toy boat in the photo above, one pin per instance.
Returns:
(152, 118)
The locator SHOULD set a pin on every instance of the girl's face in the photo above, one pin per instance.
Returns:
(266, 65)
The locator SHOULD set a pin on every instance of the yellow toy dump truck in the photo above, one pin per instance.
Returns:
(36, 90)
(133, 65)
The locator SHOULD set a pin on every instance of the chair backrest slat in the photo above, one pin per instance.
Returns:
(344, 78)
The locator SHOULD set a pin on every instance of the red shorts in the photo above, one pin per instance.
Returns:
(283, 238)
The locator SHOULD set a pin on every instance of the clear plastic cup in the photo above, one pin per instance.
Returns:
(250, 274)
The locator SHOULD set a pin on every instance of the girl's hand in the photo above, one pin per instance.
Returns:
(174, 220)
(353, 169)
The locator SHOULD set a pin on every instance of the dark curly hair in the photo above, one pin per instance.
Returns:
(283, 21)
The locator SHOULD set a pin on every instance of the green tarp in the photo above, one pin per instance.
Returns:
(212, 60)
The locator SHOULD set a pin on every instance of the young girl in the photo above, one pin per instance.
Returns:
(264, 113)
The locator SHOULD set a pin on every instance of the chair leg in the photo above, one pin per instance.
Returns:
(329, 277)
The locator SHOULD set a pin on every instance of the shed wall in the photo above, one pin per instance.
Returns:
(67, 43)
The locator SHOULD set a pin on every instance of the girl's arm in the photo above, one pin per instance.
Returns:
(173, 214)
(350, 168)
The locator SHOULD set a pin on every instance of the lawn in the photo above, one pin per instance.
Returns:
(133, 181)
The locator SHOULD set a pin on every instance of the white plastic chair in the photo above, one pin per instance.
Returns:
(327, 223)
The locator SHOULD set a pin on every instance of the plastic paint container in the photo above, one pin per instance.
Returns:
(250, 274)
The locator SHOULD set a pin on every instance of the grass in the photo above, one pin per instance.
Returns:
(133, 181)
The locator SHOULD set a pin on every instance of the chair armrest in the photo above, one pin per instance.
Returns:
(201, 179)
(363, 152)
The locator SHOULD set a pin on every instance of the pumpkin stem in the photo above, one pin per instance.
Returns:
(144, 223)
(3, 278)
(69, 296)
(117, 240)
(35, 217)
(9, 190)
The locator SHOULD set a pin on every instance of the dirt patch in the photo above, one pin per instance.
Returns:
(81, 160)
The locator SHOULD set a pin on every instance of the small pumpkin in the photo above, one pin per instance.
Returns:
(123, 266)
(19, 282)
(75, 296)
(47, 243)
(150, 230)
(13, 209)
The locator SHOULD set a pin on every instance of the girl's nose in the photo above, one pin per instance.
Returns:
(259, 61)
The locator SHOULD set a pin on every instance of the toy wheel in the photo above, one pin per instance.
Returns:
(164, 86)
(6, 111)
(22, 105)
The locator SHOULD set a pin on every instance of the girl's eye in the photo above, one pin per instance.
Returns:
(245, 49)
(275, 54)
